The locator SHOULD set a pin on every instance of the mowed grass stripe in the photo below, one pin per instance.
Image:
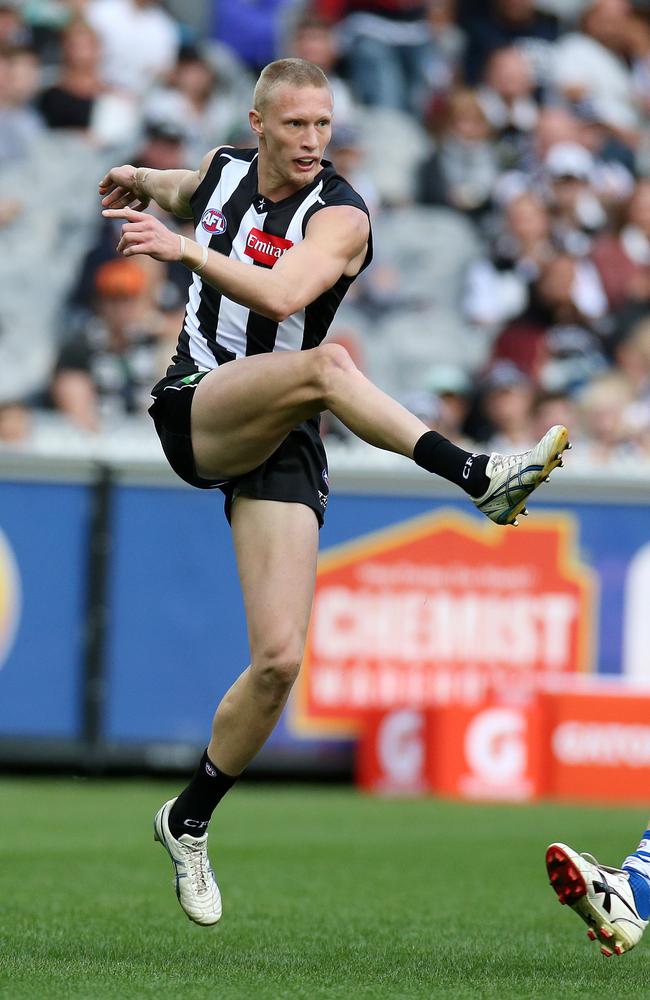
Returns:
(327, 894)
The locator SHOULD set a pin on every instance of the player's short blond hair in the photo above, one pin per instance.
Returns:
(296, 72)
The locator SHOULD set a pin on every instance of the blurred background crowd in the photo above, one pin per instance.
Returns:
(502, 147)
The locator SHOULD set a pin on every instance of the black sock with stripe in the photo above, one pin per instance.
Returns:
(193, 808)
(436, 454)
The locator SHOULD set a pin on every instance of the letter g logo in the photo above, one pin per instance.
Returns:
(400, 746)
(495, 745)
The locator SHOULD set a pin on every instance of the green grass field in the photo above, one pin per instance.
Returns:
(327, 894)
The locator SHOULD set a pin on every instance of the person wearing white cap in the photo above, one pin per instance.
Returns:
(574, 205)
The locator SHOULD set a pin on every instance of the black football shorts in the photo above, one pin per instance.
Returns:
(296, 472)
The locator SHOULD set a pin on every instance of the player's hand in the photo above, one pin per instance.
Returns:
(118, 189)
(141, 233)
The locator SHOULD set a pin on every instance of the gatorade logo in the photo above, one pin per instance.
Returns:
(602, 744)
(400, 746)
(9, 598)
(495, 745)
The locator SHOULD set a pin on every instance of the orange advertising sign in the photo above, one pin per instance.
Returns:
(599, 745)
(493, 750)
(439, 608)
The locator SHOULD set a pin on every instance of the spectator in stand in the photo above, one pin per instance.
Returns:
(254, 29)
(631, 353)
(347, 153)
(554, 125)
(610, 174)
(315, 40)
(20, 125)
(198, 99)
(593, 63)
(576, 212)
(607, 431)
(47, 19)
(462, 170)
(14, 33)
(640, 55)
(623, 258)
(450, 387)
(507, 396)
(139, 42)
(508, 97)
(555, 342)
(105, 368)
(608, 147)
(163, 147)
(558, 407)
(25, 75)
(496, 24)
(15, 424)
(389, 52)
(497, 288)
(448, 46)
(69, 102)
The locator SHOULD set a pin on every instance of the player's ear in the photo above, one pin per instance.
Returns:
(256, 122)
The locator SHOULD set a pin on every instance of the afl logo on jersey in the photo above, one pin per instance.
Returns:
(213, 221)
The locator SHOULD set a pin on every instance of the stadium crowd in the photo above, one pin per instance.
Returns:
(501, 145)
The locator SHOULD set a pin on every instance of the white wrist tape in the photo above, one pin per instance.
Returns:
(204, 261)
(204, 258)
(141, 174)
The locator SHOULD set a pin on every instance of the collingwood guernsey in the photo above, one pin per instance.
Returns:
(233, 218)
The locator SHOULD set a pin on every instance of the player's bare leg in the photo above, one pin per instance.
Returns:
(277, 547)
(242, 411)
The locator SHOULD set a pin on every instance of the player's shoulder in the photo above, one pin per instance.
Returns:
(211, 170)
(223, 154)
(336, 190)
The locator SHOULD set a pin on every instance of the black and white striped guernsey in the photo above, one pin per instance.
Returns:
(232, 217)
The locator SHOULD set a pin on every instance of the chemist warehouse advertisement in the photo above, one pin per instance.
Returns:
(466, 658)
(441, 608)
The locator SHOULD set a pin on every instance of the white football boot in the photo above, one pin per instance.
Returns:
(196, 886)
(601, 896)
(514, 477)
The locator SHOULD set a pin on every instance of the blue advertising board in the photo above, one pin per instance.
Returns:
(175, 630)
(178, 639)
(43, 563)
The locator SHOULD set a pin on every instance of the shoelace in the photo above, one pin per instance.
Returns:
(606, 868)
(199, 868)
(501, 462)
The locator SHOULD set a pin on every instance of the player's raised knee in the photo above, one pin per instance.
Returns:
(330, 361)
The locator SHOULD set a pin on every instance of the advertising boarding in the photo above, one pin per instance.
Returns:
(444, 607)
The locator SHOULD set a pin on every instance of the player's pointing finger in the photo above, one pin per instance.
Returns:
(124, 213)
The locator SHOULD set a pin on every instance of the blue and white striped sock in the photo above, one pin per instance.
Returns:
(638, 867)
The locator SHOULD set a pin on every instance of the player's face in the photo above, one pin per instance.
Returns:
(295, 128)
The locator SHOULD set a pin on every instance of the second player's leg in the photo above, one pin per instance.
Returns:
(276, 546)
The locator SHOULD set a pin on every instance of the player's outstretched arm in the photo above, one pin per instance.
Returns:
(335, 243)
(134, 187)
